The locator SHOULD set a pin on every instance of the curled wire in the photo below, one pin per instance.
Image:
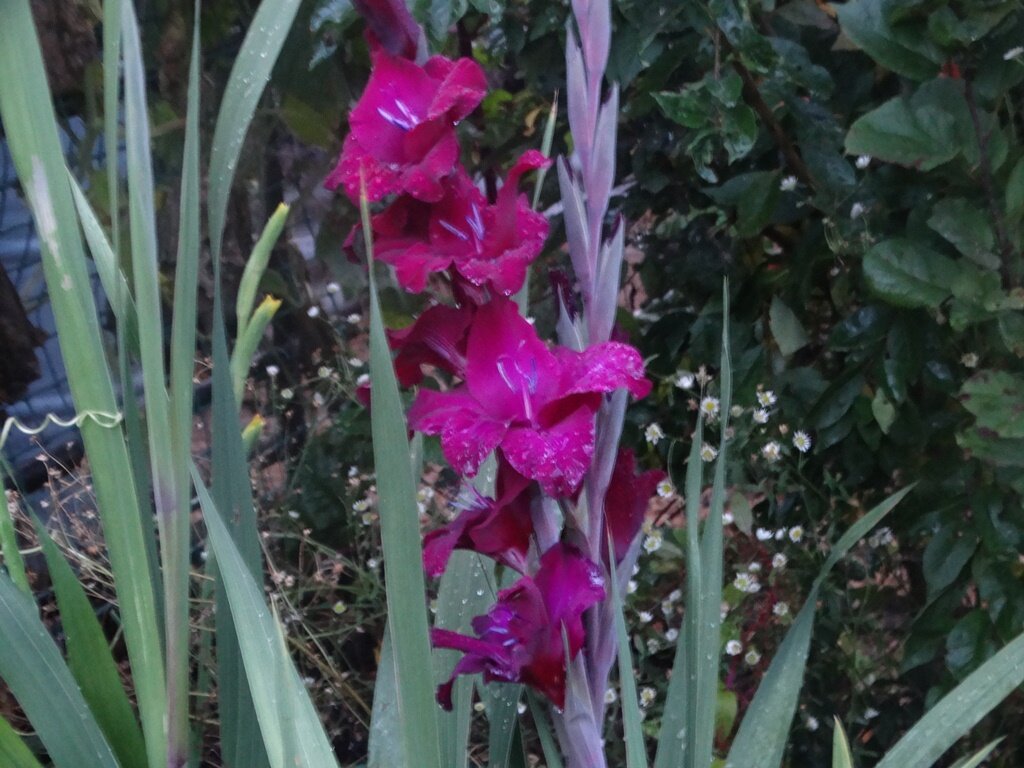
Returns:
(101, 418)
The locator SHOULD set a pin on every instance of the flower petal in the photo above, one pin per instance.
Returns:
(557, 457)
(604, 368)
(468, 434)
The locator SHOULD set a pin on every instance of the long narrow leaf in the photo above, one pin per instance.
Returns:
(249, 75)
(90, 660)
(761, 739)
(675, 722)
(636, 751)
(400, 539)
(33, 669)
(841, 756)
(30, 125)
(257, 265)
(13, 752)
(973, 761)
(262, 653)
(959, 710)
(12, 559)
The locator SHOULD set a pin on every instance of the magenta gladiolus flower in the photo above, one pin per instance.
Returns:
(499, 528)
(521, 638)
(402, 134)
(437, 338)
(490, 246)
(626, 501)
(534, 403)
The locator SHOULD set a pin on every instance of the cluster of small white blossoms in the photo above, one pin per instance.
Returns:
(795, 534)
(735, 648)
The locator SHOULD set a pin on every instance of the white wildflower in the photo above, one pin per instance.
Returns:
(313, 311)
(666, 489)
(779, 561)
(521, 707)
(361, 506)
(761, 415)
(811, 722)
(631, 586)
(672, 634)
(645, 617)
(734, 648)
(788, 184)
(771, 451)
(752, 657)
(652, 542)
(857, 210)
(287, 393)
(354, 318)
(863, 161)
(754, 568)
(363, 380)
(766, 398)
(801, 441)
(709, 407)
(708, 452)
(333, 287)
(1014, 53)
(653, 433)
(647, 696)
(272, 371)
(685, 380)
(727, 518)
(340, 607)
(795, 534)
(763, 534)
(969, 360)
(780, 609)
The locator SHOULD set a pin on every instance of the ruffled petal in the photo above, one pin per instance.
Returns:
(468, 434)
(625, 503)
(605, 368)
(557, 457)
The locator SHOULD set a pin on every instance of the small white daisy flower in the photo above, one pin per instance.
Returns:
(355, 362)
(779, 561)
(771, 451)
(801, 441)
(685, 380)
(1013, 53)
(645, 617)
(653, 433)
(652, 542)
(361, 506)
(969, 360)
(479, 706)
(761, 415)
(796, 533)
(521, 707)
(766, 398)
(287, 393)
(727, 518)
(672, 634)
(744, 582)
(666, 489)
(675, 596)
(647, 696)
(368, 518)
(857, 210)
(788, 184)
(631, 586)
(313, 311)
(871, 713)
(811, 722)
(780, 609)
(754, 568)
(610, 696)
(863, 161)
(752, 657)
(363, 380)
(339, 607)
(653, 645)
(333, 287)
(708, 452)
(272, 371)
(372, 563)
(734, 648)
(354, 318)
(763, 534)
(709, 407)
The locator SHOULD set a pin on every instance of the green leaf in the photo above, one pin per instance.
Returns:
(90, 660)
(13, 752)
(1015, 191)
(12, 559)
(996, 399)
(786, 328)
(257, 265)
(908, 274)
(31, 128)
(883, 411)
(264, 656)
(248, 342)
(36, 674)
(959, 710)
(761, 739)
(967, 227)
(841, 757)
(925, 131)
(754, 195)
(1011, 330)
(903, 50)
(975, 760)
(400, 540)
(636, 751)
(386, 746)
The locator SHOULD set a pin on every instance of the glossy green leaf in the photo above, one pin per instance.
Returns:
(787, 330)
(959, 710)
(972, 761)
(902, 50)
(636, 750)
(12, 559)
(908, 274)
(967, 227)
